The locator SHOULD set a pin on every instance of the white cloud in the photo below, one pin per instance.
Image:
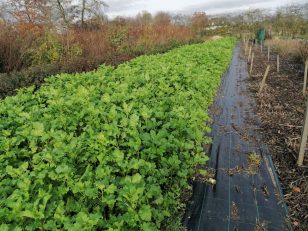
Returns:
(133, 7)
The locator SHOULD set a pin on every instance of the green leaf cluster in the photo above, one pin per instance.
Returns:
(111, 149)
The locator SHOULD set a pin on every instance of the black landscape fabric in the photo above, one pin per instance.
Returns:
(247, 195)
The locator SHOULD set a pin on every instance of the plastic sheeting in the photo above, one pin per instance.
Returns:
(241, 199)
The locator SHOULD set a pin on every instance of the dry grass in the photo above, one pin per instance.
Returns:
(254, 162)
(295, 49)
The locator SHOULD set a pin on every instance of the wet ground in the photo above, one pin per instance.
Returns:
(247, 194)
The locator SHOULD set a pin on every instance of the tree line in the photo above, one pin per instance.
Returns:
(76, 35)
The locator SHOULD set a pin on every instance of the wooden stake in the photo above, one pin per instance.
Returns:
(268, 54)
(277, 64)
(251, 64)
(246, 47)
(249, 54)
(305, 77)
(264, 79)
(261, 46)
(303, 139)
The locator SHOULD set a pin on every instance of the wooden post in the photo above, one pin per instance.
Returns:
(261, 47)
(305, 77)
(249, 54)
(264, 79)
(303, 139)
(277, 64)
(246, 47)
(251, 64)
(268, 54)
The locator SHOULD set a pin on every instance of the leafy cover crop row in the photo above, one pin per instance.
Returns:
(111, 149)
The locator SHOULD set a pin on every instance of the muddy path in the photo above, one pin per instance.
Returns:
(247, 194)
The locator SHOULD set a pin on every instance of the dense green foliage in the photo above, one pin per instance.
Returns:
(110, 149)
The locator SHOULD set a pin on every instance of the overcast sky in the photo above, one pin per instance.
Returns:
(132, 7)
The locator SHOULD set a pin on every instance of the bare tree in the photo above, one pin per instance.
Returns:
(162, 18)
(61, 8)
(73, 11)
(199, 22)
(90, 9)
(30, 11)
(181, 20)
(144, 18)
